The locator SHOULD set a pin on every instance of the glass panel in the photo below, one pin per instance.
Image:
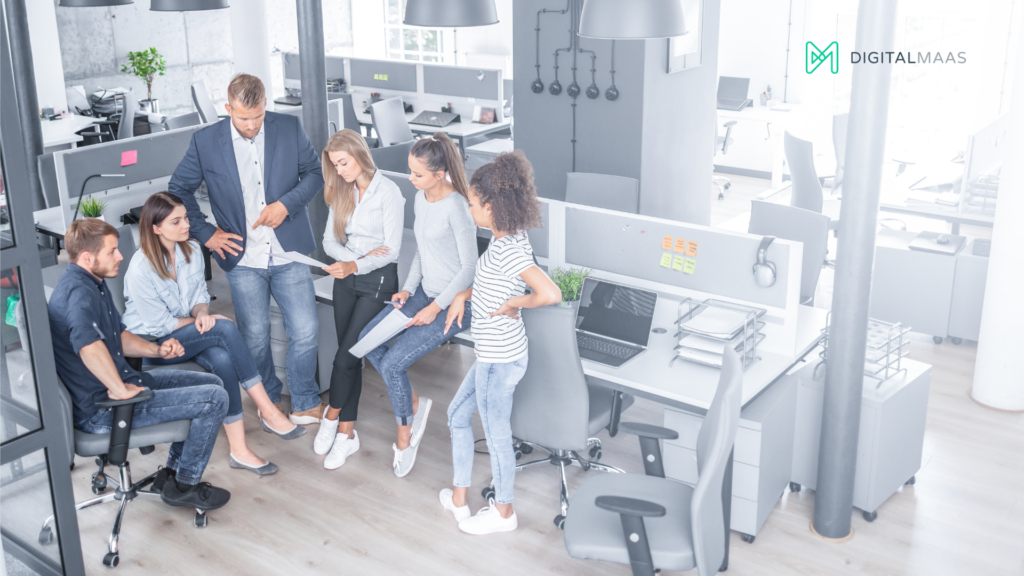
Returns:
(412, 57)
(6, 236)
(25, 502)
(19, 403)
(430, 41)
(430, 58)
(412, 39)
(394, 11)
(394, 39)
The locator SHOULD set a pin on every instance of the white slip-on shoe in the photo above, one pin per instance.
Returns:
(419, 421)
(342, 449)
(460, 512)
(325, 435)
(404, 459)
(488, 521)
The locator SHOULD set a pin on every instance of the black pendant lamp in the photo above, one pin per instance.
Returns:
(632, 19)
(93, 3)
(450, 13)
(186, 5)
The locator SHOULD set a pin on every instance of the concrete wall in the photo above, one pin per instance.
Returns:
(94, 43)
(283, 26)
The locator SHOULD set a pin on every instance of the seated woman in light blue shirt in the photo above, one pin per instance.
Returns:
(166, 297)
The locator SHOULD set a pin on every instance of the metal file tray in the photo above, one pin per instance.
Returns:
(887, 345)
(712, 345)
(716, 318)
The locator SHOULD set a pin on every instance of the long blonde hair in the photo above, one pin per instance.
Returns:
(338, 193)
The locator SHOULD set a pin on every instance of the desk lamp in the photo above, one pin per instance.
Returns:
(86, 181)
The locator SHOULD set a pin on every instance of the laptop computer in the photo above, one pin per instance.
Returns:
(438, 119)
(732, 93)
(613, 322)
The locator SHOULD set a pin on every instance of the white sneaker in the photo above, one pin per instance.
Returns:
(342, 449)
(325, 435)
(419, 421)
(488, 521)
(404, 459)
(460, 512)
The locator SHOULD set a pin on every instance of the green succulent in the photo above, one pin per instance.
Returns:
(92, 208)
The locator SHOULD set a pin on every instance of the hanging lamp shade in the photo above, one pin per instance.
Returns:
(186, 5)
(450, 13)
(93, 3)
(632, 19)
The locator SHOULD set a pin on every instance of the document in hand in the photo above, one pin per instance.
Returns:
(300, 258)
(391, 325)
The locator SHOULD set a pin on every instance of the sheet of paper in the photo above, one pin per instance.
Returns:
(680, 245)
(690, 266)
(666, 260)
(666, 243)
(391, 325)
(300, 258)
(677, 263)
(691, 249)
(129, 157)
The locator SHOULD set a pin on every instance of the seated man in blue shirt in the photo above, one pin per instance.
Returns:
(89, 346)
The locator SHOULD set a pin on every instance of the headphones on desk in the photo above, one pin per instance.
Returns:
(764, 271)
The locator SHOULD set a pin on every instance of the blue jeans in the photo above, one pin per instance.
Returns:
(292, 287)
(222, 351)
(489, 388)
(415, 343)
(179, 395)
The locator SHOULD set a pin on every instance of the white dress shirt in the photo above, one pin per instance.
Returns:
(376, 221)
(261, 242)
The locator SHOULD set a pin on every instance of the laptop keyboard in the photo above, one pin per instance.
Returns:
(605, 347)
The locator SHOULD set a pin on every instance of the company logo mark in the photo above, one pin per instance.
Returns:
(815, 57)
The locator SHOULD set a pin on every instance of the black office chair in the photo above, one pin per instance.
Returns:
(393, 158)
(101, 130)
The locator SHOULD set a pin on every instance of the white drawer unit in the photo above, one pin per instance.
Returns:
(762, 454)
(484, 152)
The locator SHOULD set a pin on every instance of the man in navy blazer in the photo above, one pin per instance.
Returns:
(261, 172)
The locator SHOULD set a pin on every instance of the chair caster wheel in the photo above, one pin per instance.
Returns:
(99, 484)
(912, 481)
(595, 452)
(46, 536)
(794, 487)
(72, 466)
(488, 493)
(526, 449)
(937, 339)
(870, 516)
(200, 520)
(560, 522)
(519, 454)
(147, 450)
(957, 341)
(111, 560)
(721, 196)
(749, 539)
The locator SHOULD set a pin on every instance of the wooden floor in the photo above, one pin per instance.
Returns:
(965, 515)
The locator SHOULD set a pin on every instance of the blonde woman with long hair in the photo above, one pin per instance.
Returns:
(363, 235)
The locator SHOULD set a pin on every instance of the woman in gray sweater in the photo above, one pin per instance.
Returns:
(444, 264)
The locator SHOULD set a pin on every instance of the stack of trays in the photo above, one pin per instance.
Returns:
(887, 345)
(706, 328)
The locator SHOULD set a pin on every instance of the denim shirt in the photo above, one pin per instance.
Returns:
(153, 304)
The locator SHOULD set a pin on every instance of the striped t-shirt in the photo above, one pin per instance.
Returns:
(500, 339)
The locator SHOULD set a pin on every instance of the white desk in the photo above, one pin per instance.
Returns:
(459, 131)
(62, 132)
(778, 117)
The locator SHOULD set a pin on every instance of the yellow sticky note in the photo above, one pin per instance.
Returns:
(666, 243)
(691, 250)
(666, 260)
(680, 245)
(691, 264)
(677, 263)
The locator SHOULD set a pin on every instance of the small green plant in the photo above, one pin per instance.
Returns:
(92, 208)
(570, 282)
(145, 64)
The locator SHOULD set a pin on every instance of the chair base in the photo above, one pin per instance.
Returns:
(120, 494)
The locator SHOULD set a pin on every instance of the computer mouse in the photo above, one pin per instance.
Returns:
(942, 239)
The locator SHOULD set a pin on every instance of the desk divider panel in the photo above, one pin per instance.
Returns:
(335, 66)
(384, 74)
(462, 82)
(631, 245)
(539, 236)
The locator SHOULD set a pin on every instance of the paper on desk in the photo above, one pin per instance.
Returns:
(300, 258)
(391, 325)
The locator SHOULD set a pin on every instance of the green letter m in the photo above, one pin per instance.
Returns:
(815, 57)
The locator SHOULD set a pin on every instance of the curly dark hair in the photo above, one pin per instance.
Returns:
(507, 185)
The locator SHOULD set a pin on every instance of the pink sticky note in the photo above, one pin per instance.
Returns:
(129, 157)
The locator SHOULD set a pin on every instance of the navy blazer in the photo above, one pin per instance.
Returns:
(291, 171)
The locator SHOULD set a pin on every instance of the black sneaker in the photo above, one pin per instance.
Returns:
(202, 496)
(162, 476)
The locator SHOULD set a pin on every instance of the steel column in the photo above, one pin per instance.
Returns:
(313, 68)
(25, 89)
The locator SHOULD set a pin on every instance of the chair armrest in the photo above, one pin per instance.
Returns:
(106, 123)
(140, 397)
(121, 427)
(648, 431)
(630, 506)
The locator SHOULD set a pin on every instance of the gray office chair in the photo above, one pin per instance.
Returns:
(183, 121)
(204, 105)
(48, 179)
(799, 225)
(393, 158)
(556, 407)
(389, 122)
(603, 191)
(653, 523)
(807, 192)
(351, 121)
(722, 144)
(126, 118)
(840, 123)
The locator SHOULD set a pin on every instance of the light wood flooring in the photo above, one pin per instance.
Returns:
(965, 515)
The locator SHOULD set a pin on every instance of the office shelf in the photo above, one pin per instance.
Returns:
(707, 328)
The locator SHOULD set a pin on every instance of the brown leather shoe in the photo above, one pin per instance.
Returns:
(311, 416)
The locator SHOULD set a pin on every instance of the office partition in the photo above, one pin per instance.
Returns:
(383, 74)
(462, 82)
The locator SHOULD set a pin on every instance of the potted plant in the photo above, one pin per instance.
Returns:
(570, 282)
(146, 64)
(92, 208)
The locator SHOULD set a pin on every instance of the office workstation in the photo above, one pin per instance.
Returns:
(794, 351)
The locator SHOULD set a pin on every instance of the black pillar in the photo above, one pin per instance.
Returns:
(25, 89)
(313, 68)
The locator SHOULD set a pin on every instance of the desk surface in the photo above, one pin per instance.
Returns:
(464, 129)
(49, 221)
(58, 132)
(780, 113)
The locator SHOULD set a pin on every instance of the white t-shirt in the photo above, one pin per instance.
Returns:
(500, 339)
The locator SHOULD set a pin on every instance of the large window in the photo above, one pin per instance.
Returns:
(410, 42)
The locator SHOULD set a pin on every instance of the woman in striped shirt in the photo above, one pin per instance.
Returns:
(364, 235)
(502, 197)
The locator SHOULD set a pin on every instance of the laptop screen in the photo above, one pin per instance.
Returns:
(616, 311)
(732, 88)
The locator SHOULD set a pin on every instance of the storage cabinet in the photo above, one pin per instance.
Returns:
(968, 295)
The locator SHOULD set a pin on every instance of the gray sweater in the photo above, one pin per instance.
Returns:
(446, 251)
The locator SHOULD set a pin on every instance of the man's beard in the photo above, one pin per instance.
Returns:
(108, 272)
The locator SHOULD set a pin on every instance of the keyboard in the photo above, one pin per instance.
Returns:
(439, 119)
(605, 347)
